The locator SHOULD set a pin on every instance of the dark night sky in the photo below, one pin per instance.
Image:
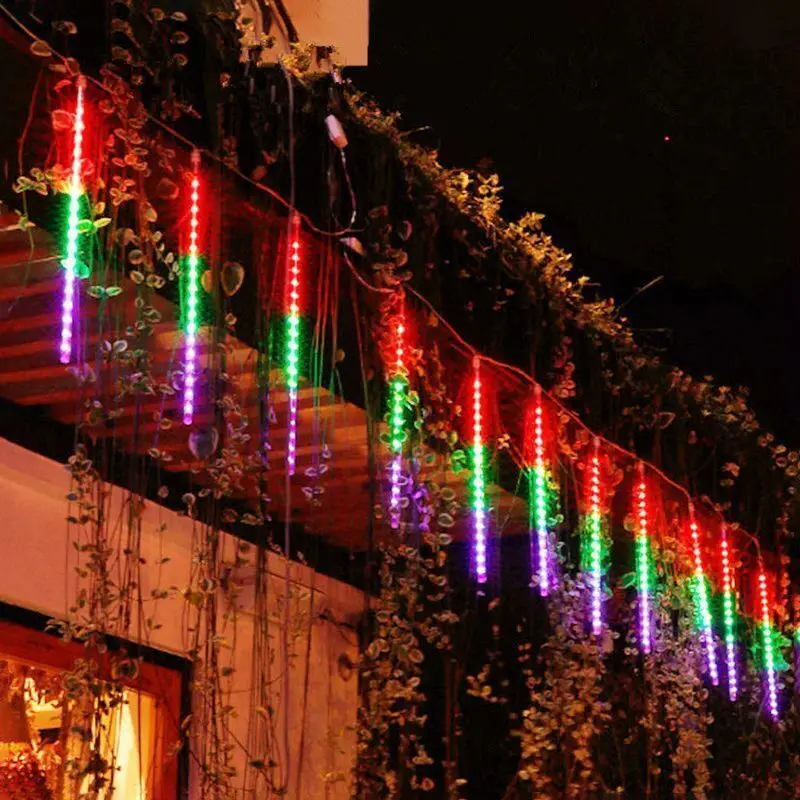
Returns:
(571, 101)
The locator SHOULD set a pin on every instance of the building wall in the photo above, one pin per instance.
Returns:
(37, 567)
(342, 24)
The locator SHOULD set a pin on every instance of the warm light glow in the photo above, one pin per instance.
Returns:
(70, 263)
(192, 296)
(128, 781)
(643, 561)
(702, 599)
(729, 617)
(397, 418)
(128, 740)
(538, 499)
(769, 654)
(594, 522)
(293, 341)
(478, 477)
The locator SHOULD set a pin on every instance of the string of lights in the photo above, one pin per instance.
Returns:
(594, 523)
(192, 291)
(768, 644)
(478, 477)
(539, 527)
(701, 590)
(69, 306)
(397, 384)
(293, 341)
(729, 616)
(466, 349)
(538, 500)
(643, 561)
(70, 262)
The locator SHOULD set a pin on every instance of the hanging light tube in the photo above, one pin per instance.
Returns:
(595, 541)
(478, 477)
(538, 499)
(192, 295)
(396, 412)
(293, 341)
(702, 598)
(70, 262)
(769, 654)
(643, 562)
(729, 616)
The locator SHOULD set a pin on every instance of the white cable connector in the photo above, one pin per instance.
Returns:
(336, 131)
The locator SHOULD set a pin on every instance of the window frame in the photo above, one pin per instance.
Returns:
(168, 685)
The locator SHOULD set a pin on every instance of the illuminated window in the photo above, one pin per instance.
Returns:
(49, 729)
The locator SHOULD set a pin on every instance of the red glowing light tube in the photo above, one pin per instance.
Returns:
(729, 618)
(769, 644)
(70, 262)
(595, 541)
(643, 561)
(397, 383)
(293, 341)
(478, 478)
(704, 609)
(538, 499)
(192, 296)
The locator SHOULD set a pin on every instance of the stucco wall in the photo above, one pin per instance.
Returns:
(37, 564)
(342, 24)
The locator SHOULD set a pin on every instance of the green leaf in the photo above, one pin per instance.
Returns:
(627, 580)
(155, 281)
(82, 270)
(102, 222)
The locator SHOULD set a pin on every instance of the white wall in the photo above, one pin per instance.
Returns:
(37, 567)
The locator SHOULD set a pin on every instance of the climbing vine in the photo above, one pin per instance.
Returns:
(577, 716)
